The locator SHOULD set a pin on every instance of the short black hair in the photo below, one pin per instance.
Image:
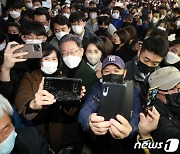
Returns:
(118, 8)
(157, 31)
(14, 4)
(33, 27)
(42, 11)
(104, 20)
(70, 37)
(176, 10)
(157, 45)
(29, 13)
(93, 10)
(106, 11)
(61, 20)
(77, 16)
(14, 24)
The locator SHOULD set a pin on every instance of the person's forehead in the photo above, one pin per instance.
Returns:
(12, 28)
(111, 66)
(150, 55)
(68, 45)
(40, 17)
(5, 120)
(60, 26)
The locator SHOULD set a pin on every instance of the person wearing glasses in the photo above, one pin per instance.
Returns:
(73, 65)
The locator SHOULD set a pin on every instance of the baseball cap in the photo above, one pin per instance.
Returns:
(164, 78)
(112, 59)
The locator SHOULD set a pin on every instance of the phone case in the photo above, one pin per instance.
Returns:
(34, 50)
(63, 89)
(116, 99)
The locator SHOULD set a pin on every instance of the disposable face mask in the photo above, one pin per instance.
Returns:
(172, 58)
(163, 16)
(2, 46)
(93, 58)
(15, 14)
(49, 67)
(155, 20)
(60, 35)
(66, 15)
(46, 4)
(33, 41)
(72, 61)
(29, 5)
(8, 144)
(178, 23)
(77, 29)
(5, 18)
(47, 28)
(93, 16)
(115, 15)
(161, 28)
(35, 7)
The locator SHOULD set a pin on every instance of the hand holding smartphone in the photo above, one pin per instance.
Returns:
(33, 50)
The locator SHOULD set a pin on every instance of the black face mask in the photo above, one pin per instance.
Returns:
(144, 68)
(102, 29)
(173, 99)
(115, 46)
(14, 37)
(113, 78)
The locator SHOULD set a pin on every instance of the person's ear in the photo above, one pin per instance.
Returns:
(23, 38)
(44, 38)
(124, 75)
(82, 51)
(69, 29)
(84, 23)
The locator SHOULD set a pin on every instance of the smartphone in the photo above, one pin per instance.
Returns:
(64, 89)
(34, 50)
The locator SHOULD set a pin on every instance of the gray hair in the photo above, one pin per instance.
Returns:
(5, 106)
(70, 37)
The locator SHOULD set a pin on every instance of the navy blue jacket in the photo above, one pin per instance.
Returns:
(90, 106)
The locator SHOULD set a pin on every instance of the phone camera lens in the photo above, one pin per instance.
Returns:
(37, 47)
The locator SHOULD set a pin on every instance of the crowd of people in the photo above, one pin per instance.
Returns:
(96, 41)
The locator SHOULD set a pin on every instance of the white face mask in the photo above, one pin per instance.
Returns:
(77, 29)
(172, 58)
(60, 35)
(5, 18)
(49, 67)
(33, 41)
(178, 23)
(8, 144)
(15, 14)
(2, 46)
(93, 16)
(93, 58)
(163, 16)
(35, 7)
(72, 61)
(29, 5)
(161, 28)
(115, 15)
(47, 28)
(155, 20)
(66, 15)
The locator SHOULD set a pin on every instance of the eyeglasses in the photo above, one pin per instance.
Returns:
(66, 53)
